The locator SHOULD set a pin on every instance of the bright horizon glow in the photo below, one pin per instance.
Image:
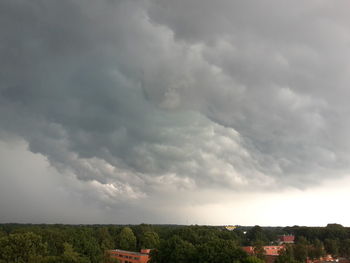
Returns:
(315, 206)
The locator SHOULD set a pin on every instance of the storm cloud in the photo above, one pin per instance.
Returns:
(153, 102)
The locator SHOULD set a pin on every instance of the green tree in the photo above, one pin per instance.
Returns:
(219, 251)
(345, 248)
(174, 250)
(332, 246)
(316, 250)
(189, 233)
(2, 234)
(22, 248)
(335, 231)
(256, 234)
(104, 238)
(127, 239)
(149, 239)
(55, 238)
(287, 255)
(183, 251)
(85, 243)
(301, 249)
(252, 259)
(69, 255)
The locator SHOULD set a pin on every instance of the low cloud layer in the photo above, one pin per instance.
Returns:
(141, 101)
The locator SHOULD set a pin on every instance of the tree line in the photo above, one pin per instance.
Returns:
(70, 243)
(169, 243)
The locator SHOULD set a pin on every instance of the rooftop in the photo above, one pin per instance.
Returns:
(129, 252)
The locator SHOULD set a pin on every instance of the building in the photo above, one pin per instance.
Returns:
(269, 250)
(329, 259)
(286, 239)
(130, 257)
(230, 228)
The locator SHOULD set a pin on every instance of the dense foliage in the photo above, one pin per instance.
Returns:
(170, 243)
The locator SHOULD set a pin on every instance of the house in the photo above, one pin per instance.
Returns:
(269, 250)
(328, 259)
(130, 257)
(285, 239)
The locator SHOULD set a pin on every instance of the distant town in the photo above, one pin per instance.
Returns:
(173, 244)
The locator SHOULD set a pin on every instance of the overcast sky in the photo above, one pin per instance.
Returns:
(186, 111)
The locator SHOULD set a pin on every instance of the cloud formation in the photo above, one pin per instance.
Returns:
(141, 100)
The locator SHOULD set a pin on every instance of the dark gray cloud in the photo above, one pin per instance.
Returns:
(141, 100)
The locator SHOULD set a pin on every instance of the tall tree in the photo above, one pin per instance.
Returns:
(21, 247)
(335, 231)
(345, 248)
(104, 239)
(149, 239)
(316, 250)
(71, 256)
(301, 249)
(256, 234)
(220, 251)
(127, 239)
(2, 234)
(174, 250)
(332, 246)
(287, 255)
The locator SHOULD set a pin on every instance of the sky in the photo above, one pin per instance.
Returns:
(175, 112)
